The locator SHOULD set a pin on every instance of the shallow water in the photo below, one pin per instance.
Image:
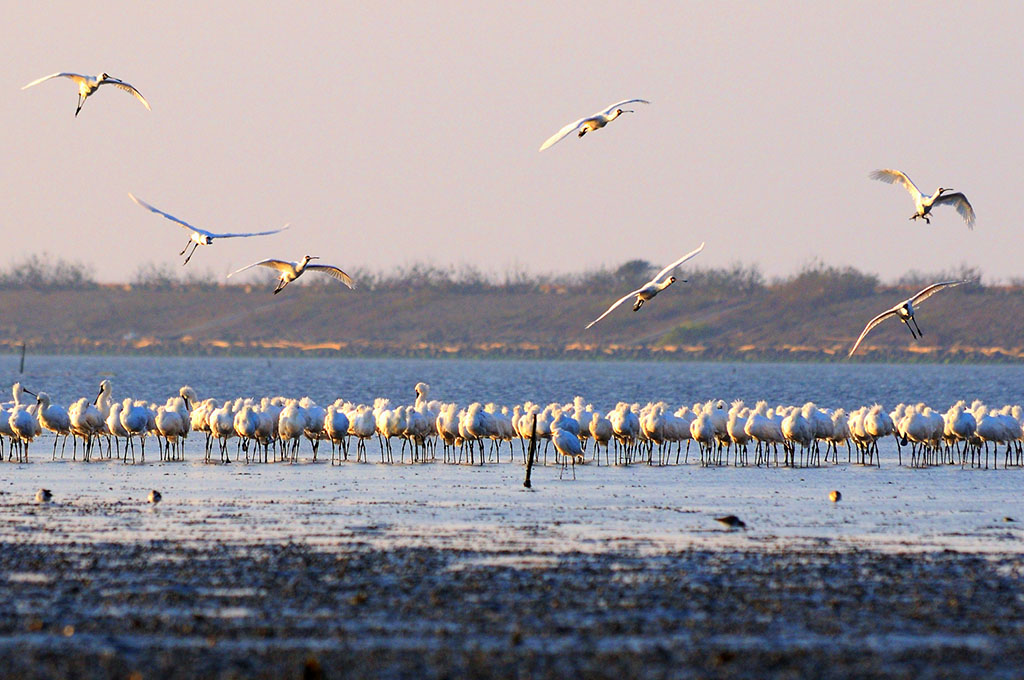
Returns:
(67, 378)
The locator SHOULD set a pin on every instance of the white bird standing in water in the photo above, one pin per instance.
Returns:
(923, 204)
(293, 270)
(200, 237)
(905, 311)
(591, 123)
(651, 288)
(89, 84)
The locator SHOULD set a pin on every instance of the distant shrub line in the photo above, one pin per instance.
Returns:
(815, 280)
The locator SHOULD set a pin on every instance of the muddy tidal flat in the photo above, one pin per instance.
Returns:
(434, 570)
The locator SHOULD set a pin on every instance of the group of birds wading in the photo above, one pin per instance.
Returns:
(289, 271)
(273, 428)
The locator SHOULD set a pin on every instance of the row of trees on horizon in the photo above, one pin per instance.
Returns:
(42, 272)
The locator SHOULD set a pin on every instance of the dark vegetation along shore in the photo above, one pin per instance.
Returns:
(720, 314)
(173, 610)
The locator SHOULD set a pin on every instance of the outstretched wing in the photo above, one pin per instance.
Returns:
(623, 103)
(74, 76)
(251, 233)
(561, 134)
(614, 305)
(897, 177)
(678, 262)
(933, 289)
(279, 265)
(962, 205)
(169, 216)
(871, 324)
(333, 272)
(127, 88)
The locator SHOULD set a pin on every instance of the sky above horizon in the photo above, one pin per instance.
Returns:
(389, 134)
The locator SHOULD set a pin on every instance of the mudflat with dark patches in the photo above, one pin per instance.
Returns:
(168, 610)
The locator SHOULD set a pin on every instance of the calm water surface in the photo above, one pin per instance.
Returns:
(67, 378)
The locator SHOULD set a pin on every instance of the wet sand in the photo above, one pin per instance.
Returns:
(443, 571)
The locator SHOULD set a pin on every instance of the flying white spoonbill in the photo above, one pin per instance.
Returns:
(922, 203)
(293, 270)
(89, 84)
(651, 288)
(905, 311)
(200, 237)
(591, 123)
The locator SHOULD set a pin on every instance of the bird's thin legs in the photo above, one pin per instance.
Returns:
(910, 328)
(81, 100)
(919, 333)
(194, 246)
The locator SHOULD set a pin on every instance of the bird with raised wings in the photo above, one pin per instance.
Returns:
(651, 288)
(905, 311)
(591, 123)
(89, 84)
(293, 270)
(923, 204)
(201, 237)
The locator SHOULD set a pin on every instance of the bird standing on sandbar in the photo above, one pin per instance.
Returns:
(591, 123)
(923, 204)
(293, 270)
(905, 311)
(89, 84)
(651, 288)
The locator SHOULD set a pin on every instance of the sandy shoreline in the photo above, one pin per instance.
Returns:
(449, 571)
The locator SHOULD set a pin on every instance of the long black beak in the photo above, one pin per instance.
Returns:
(28, 391)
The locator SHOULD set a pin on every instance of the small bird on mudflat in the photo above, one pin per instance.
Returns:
(835, 496)
(732, 521)
(154, 497)
(43, 496)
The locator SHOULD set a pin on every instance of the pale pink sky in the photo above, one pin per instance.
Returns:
(393, 133)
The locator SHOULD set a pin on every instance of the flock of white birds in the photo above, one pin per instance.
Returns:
(289, 271)
(272, 428)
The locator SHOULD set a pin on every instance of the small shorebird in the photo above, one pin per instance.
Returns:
(835, 496)
(293, 270)
(591, 123)
(923, 204)
(905, 311)
(651, 288)
(154, 497)
(89, 84)
(732, 521)
(43, 496)
(200, 237)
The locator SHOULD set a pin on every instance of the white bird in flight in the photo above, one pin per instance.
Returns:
(89, 84)
(905, 311)
(922, 203)
(651, 288)
(293, 270)
(200, 237)
(591, 123)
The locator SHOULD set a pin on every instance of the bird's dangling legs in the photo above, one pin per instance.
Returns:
(910, 328)
(80, 102)
(194, 246)
(919, 333)
(280, 286)
(638, 304)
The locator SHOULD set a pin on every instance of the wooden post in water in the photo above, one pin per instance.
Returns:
(21, 368)
(529, 456)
